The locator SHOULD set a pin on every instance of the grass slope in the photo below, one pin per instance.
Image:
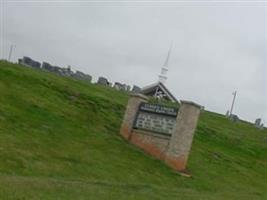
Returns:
(59, 140)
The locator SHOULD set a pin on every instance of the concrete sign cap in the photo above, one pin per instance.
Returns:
(139, 95)
(191, 103)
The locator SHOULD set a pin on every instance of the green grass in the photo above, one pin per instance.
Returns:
(59, 139)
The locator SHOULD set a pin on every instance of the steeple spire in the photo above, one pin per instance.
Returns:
(164, 69)
(166, 64)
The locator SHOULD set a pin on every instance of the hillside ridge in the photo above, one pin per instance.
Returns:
(59, 139)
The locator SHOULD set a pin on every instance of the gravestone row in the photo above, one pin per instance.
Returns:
(27, 61)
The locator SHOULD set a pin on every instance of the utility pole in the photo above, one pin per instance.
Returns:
(10, 51)
(233, 102)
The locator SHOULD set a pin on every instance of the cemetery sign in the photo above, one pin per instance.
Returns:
(159, 130)
(156, 118)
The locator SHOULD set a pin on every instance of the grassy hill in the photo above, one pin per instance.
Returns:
(59, 139)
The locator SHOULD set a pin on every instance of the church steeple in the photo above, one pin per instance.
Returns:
(164, 69)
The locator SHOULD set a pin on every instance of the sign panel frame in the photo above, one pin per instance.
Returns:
(156, 118)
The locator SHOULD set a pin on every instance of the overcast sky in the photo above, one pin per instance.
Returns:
(218, 47)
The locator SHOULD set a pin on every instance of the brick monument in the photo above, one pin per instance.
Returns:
(162, 131)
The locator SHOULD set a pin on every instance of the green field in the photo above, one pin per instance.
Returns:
(59, 139)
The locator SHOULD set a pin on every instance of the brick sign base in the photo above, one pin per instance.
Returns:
(163, 132)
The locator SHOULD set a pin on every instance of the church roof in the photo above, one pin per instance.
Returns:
(151, 90)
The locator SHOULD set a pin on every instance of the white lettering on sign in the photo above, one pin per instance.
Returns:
(155, 122)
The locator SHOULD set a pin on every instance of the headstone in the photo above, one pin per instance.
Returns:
(103, 81)
(258, 122)
(64, 71)
(136, 89)
(121, 87)
(47, 66)
(118, 86)
(82, 76)
(124, 87)
(128, 88)
(36, 64)
(234, 118)
(20, 61)
(27, 61)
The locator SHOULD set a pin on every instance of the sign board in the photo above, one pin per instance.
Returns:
(156, 118)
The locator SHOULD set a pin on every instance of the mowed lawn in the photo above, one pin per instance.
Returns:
(59, 139)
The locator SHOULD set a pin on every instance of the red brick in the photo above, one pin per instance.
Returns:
(150, 148)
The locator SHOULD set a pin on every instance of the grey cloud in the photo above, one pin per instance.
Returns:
(217, 49)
